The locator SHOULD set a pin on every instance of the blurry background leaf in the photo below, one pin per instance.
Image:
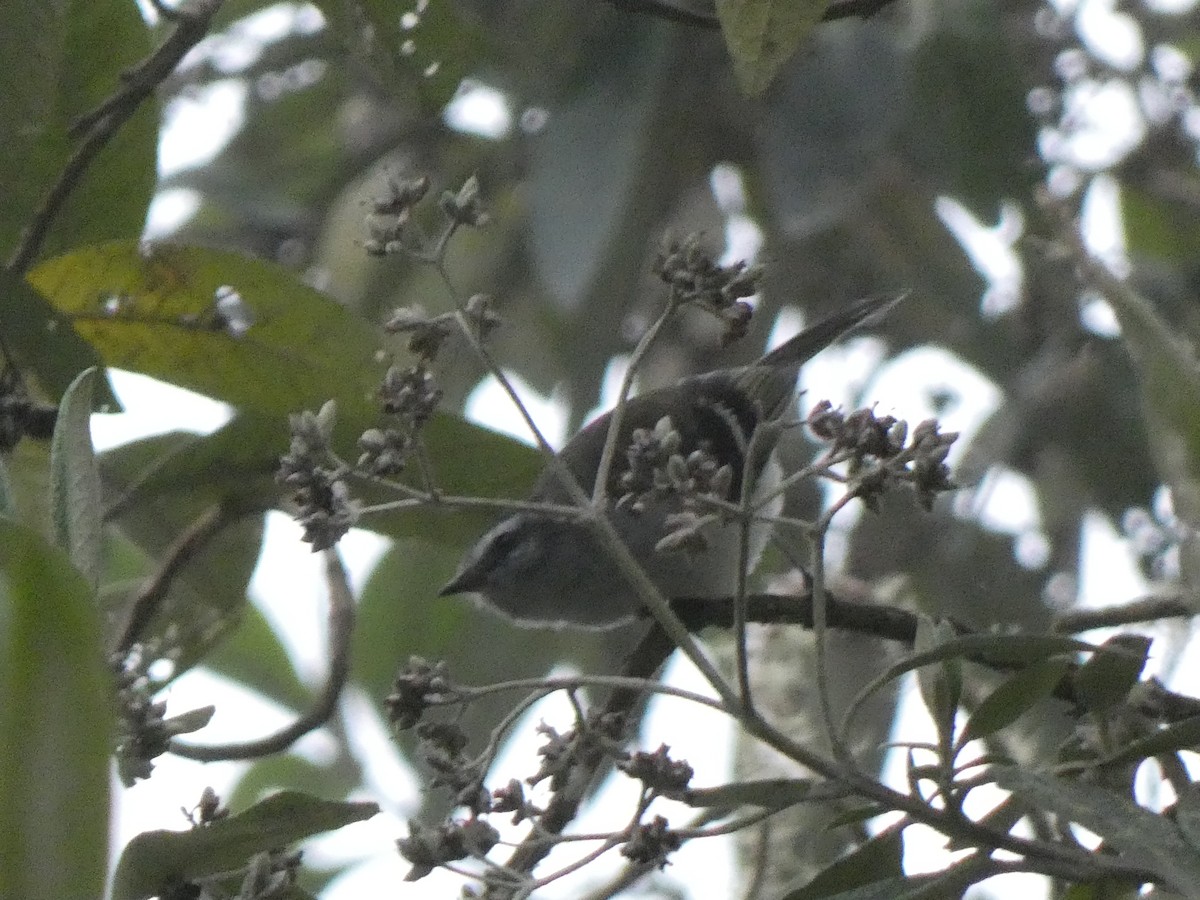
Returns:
(879, 859)
(55, 724)
(55, 70)
(763, 34)
(425, 48)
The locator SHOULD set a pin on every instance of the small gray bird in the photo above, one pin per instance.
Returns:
(551, 572)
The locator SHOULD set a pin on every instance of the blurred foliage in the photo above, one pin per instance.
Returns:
(606, 126)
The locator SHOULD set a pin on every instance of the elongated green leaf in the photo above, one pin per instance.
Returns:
(235, 328)
(55, 721)
(1106, 679)
(879, 859)
(1183, 735)
(1014, 697)
(75, 479)
(1142, 838)
(995, 649)
(159, 313)
(154, 859)
(769, 793)
(424, 46)
(899, 887)
(762, 35)
(940, 684)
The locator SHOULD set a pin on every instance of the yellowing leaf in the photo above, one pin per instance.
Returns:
(235, 328)
(762, 35)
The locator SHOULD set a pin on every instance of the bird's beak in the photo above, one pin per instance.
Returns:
(466, 580)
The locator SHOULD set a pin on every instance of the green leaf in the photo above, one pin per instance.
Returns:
(1143, 838)
(55, 722)
(880, 858)
(75, 479)
(973, 142)
(292, 772)
(1182, 735)
(8, 501)
(423, 45)
(769, 793)
(762, 35)
(1158, 229)
(1106, 679)
(54, 71)
(47, 348)
(192, 720)
(155, 859)
(902, 887)
(940, 684)
(1014, 697)
(208, 595)
(991, 649)
(301, 350)
(1169, 377)
(32, 43)
(238, 329)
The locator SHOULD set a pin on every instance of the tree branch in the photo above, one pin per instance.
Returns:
(191, 541)
(98, 127)
(341, 629)
(671, 12)
(1146, 609)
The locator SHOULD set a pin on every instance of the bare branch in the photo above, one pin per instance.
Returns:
(191, 541)
(341, 629)
(1146, 609)
(98, 127)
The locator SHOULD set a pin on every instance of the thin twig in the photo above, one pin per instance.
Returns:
(574, 682)
(191, 541)
(617, 416)
(1146, 609)
(341, 629)
(99, 126)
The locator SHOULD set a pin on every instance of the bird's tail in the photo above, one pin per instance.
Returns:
(811, 341)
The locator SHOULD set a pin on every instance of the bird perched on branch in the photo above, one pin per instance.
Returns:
(683, 454)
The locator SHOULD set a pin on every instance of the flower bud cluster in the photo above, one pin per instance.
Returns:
(143, 730)
(325, 508)
(695, 278)
(562, 756)
(881, 451)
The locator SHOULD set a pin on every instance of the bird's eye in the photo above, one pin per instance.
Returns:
(505, 541)
(514, 547)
